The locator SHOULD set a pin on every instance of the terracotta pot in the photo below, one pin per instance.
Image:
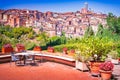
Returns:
(37, 48)
(106, 75)
(50, 49)
(7, 50)
(119, 59)
(95, 67)
(20, 47)
(71, 52)
(64, 52)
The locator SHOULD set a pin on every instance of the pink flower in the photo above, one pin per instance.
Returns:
(107, 66)
(7, 45)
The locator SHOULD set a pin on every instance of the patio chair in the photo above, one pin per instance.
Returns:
(15, 58)
(29, 59)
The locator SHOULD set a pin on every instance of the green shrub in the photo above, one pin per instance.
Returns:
(118, 48)
(96, 46)
(29, 46)
(68, 46)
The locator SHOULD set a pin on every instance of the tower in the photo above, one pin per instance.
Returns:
(85, 9)
(86, 5)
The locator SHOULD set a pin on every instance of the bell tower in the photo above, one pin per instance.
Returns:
(86, 6)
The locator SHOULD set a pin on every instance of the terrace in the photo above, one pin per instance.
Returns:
(48, 67)
(43, 71)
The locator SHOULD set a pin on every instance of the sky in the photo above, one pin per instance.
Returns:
(104, 6)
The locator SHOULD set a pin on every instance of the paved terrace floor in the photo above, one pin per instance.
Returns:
(43, 71)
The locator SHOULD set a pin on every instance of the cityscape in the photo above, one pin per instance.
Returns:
(73, 24)
(60, 40)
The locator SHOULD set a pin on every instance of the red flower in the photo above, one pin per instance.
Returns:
(7, 45)
(107, 66)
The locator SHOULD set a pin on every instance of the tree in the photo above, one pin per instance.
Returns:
(100, 30)
(43, 38)
(113, 23)
(18, 32)
(89, 32)
(118, 25)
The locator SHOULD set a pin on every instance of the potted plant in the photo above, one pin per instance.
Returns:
(94, 65)
(71, 52)
(113, 56)
(97, 49)
(20, 47)
(7, 48)
(106, 70)
(37, 48)
(81, 60)
(65, 50)
(50, 49)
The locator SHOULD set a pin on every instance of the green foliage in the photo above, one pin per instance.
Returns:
(89, 32)
(113, 54)
(18, 32)
(31, 35)
(29, 45)
(63, 40)
(73, 40)
(113, 23)
(42, 36)
(118, 48)
(13, 35)
(14, 41)
(68, 46)
(7, 31)
(56, 40)
(59, 48)
(95, 46)
(100, 30)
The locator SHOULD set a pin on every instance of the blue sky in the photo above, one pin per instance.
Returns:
(103, 6)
